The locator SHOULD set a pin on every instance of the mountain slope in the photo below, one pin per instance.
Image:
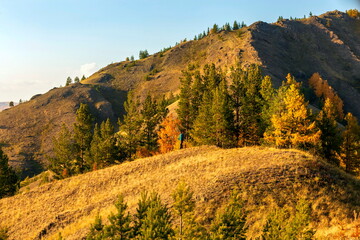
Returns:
(27, 130)
(328, 44)
(267, 177)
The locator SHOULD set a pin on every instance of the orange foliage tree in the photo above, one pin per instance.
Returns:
(168, 133)
(354, 13)
(323, 90)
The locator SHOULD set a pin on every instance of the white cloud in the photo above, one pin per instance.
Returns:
(88, 68)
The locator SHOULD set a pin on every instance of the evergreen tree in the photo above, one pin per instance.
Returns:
(203, 129)
(230, 222)
(130, 127)
(227, 27)
(68, 81)
(132, 58)
(350, 147)
(157, 222)
(65, 150)
(9, 181)
(11, 104)
(103, 150)
(143, 54)
(215, 28)
(291, 123)
(141, 211)
(330, 139)
(83, 78)
(76, 79)
(235, 25)
(268, 94)
(83, 128)
(223, 117)
(96, 230)
(184, 109)
(150, 119)
(119, 227)
(183, 203)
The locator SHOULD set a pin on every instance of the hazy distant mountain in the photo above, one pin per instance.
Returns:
(328, 44)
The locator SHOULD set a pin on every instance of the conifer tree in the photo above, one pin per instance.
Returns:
(65, 150)
(215, 28)
(330, 138)
(83, 77)
(68, 81)
(141, 211)
(150, 119)
(350, 147)
(223, 117)
(96, 230)
(103, 150)
(130, 127)
(291, 123)
(230, 222)
(268, 94)
(9, 181)
(235, 25)
(227, 27)
(183, 203)
(76, 79)
(184, 109)
(203, 129)
(157, 222)
(119, 227)
(83, 128)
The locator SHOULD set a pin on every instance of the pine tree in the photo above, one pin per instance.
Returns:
(103, 150)
(9, 181)
(83, 132)
(157, 222)
(291, 124)
(119, 227)
(184, 106)
(168, 134)
(130, 127)
(350, 147)
(227, 27)
(183, 203)
(141, 211)
(150, 119)
(65, 150)
(83, 78)
(235, 25)
(76, 79)
(96, 230)
(215, 28)
(230, 222)
(203, 129)
(68, 81)
(143, 54)
(223, 117)
(330, 138)
(268, 94)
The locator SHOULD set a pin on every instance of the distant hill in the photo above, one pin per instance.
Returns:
(267, 177)
(328, 44)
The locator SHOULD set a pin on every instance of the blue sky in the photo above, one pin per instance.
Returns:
(42, 42)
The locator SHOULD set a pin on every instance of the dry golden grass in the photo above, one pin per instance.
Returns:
(267, 177)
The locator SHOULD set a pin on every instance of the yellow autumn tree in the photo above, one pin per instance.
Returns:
(168, 134)
(290, 122)
(323, 90)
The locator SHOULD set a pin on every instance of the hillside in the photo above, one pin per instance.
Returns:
(27, 130)
(328, 44)
(267, 178)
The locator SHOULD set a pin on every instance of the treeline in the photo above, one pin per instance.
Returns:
(76, 80)
(155, 220)
(89, 146)
(241, 108)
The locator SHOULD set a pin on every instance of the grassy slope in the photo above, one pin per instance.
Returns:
(267, 176)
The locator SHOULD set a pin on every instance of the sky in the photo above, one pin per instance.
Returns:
(42, 42)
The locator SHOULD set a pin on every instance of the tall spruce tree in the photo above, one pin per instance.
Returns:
(130, 127)
(184, 110)
(9, 181)
(150, 119)
(83, 132)
(65, 151)
(350, 147)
